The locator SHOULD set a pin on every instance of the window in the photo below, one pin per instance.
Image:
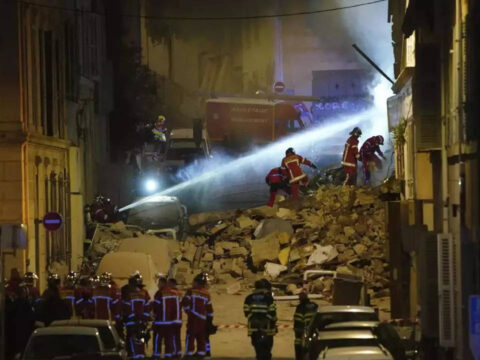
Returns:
(70, 66)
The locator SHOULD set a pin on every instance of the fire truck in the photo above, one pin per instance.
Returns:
(239, 123)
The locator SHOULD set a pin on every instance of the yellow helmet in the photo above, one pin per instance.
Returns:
(161, 118)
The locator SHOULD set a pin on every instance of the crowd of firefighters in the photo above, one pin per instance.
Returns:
(134, 313)
(130, 308)
(289, 177)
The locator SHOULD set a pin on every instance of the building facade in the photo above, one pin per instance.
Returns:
(54, 101)
(434, 115)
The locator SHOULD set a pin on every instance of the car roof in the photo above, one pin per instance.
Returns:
(66, 330)
(345, 334)
(345, 308)
(81, 322)
(352, 324)
(364, 352)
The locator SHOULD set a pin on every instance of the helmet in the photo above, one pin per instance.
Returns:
(259, 284)
(136, 279)
(94, 280)
(266, 284)
(289, 151)
(201, 279)
(161, 276)
(161, 118)
(53, 280)
(379, 139)
(30, 277)
(356, 131)
(71, 278)
(105, 279)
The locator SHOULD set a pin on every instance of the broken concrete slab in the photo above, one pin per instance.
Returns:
(273, 270)
(269, 226)
(246, 222)
(322, 254)
(283, 255)
(238, 251)
(265, 249)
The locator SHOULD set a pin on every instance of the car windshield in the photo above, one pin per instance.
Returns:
(51, 346)
(107, 337)
(323, 319)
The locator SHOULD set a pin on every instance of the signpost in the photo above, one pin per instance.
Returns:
(279, 87)
(474, 328)
(52, 221)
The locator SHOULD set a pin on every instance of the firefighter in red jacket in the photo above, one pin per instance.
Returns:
(167, 313)
(277, 180)
(67, 291)
(177, 338)
(370, 160)
(291, 164)
(104, 298)
(84, 306)
(198, 306)
(350, 157)
(136, 314)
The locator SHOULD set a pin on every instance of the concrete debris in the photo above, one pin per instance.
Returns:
(273, 270)
(322, 254)
(269, 226)
(336, 228)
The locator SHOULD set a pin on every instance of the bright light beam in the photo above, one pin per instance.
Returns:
(302, 140)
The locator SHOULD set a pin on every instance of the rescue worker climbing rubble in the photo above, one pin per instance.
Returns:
(159, 132)
(370, 160)
(198, 306)
(350, 157)
(304, 313)
(260, 311)
(136, 314)
(291, 164)
(277, 180)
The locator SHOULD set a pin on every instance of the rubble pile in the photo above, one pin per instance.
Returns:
(335, 228)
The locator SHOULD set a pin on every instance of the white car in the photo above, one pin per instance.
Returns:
(106, 329)
(348, 345)
(63, 341)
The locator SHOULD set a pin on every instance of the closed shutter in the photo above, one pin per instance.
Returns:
(446, 300)
(427, 97)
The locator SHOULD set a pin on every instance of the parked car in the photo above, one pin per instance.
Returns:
(348, 345)
(327, 315)
(108, 334)
(385, 332)
(60, 341)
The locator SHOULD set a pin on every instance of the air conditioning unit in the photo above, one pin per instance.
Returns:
(446, 290)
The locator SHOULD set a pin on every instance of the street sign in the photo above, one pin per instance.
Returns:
(279, 87)
(52, 221)
(474, 312)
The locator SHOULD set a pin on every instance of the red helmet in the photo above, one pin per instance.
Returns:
(379, 139)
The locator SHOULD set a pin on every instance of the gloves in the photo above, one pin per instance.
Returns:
(313, 166)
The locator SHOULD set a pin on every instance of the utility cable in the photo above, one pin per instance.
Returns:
(207, 18)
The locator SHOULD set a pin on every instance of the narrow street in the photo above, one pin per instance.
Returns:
(265, 179)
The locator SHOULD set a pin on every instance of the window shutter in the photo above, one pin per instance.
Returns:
(446, 289)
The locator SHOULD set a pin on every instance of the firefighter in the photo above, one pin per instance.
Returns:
(350, 157)
(30, 280)
(304, 313)
(261, 314)
(198, 306)
(159, 132)
(13, 283)
(277, 180)
(291, 164)
(84, 305)
(136, 314)
(177, 338)
(104, 296)
(370, 160)
(51, 307)
(67, 291)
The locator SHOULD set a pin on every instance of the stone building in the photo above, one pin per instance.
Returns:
(54, 102)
